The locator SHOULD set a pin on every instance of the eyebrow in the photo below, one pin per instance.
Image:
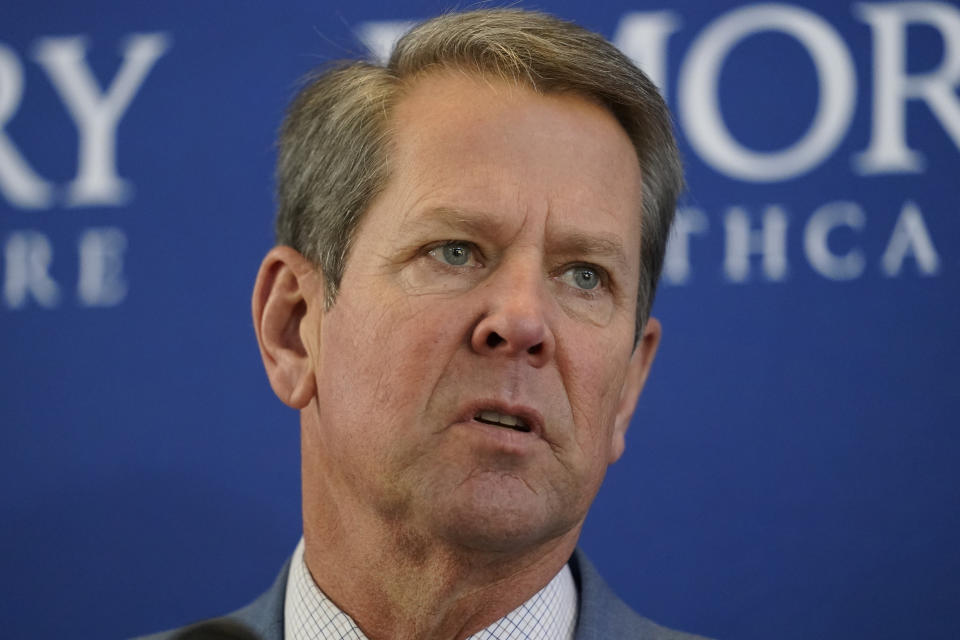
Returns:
(572, 242)
(600, 245)
(473, 221)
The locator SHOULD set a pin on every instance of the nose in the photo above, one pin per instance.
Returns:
(515, 321)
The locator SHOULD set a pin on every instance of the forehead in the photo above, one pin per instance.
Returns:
(499, 147)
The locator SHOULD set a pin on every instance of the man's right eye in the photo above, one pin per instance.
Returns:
(455, 254)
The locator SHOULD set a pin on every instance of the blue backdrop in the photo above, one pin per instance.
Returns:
(792, 470)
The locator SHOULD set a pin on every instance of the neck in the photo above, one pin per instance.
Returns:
(397, 583)
(437, 594)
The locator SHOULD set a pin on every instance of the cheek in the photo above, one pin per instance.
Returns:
(593, 383)
(390, 351)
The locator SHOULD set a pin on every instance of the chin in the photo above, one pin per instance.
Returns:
(502, 515)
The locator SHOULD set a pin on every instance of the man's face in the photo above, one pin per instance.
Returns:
(493, 281)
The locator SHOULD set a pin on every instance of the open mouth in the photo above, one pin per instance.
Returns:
(502, 420)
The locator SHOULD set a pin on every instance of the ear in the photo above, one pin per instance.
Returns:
(637, 371)
(288, 295)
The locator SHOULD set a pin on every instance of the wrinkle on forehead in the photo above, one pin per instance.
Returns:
(499, 110)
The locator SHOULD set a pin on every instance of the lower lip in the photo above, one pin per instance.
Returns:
(503, 438)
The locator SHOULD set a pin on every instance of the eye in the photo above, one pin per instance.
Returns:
(582, 277)
(456, 253)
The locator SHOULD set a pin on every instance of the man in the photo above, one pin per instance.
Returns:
(469, 241)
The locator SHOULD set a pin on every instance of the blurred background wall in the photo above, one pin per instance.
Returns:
(792, 470)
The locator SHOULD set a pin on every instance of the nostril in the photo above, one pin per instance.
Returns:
(493, 339)
(535, 349)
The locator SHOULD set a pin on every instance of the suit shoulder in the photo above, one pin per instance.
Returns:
(262, 619)
(604, 615)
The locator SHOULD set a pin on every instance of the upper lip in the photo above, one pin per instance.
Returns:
(530, 416)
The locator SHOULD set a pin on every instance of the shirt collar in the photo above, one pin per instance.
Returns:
(308, 614)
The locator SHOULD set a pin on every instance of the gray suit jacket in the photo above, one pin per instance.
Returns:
(603, 616)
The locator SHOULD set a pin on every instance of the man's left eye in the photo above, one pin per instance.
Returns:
(581, 277)
(456, 254)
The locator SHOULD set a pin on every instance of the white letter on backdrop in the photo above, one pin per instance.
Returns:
(699, 106)
(892, 86)
(21, 186)
(96, 114)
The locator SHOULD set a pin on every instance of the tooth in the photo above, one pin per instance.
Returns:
(510, 421)
(490, 416)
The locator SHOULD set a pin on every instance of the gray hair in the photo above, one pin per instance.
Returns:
(334, 142)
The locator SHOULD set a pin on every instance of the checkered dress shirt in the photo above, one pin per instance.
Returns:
(551, 614)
